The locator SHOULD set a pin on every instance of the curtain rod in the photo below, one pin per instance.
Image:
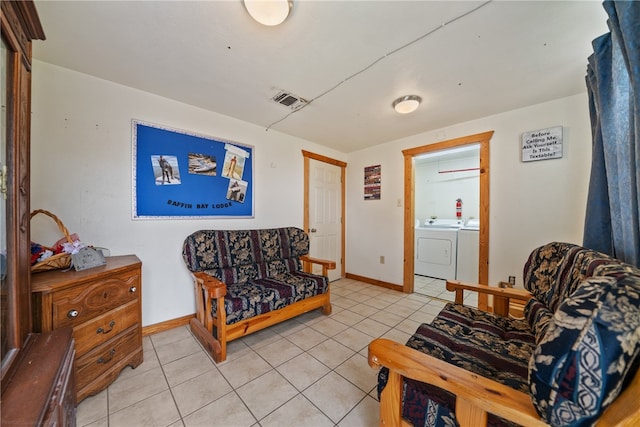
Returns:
(459, 170)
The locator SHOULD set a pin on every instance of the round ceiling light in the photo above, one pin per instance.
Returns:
(269, 12)
(406, 104)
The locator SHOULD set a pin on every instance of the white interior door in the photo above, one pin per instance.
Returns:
(324, 214)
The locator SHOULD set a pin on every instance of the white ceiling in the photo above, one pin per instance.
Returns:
(211, 54)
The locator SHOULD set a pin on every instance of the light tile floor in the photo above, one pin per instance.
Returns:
(307, 371)
(431, 287)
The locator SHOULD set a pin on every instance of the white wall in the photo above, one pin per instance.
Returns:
(81, 171)
(436, 192)
(530, 203)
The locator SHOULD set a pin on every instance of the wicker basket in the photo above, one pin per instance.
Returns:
(57, 261)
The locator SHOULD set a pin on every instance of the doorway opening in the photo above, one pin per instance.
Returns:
(410, 155)
(447, 206)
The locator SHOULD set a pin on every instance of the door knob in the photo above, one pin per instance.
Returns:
(313, 230)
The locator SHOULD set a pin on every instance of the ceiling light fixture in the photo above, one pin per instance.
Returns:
(406, 104)
(269, 12)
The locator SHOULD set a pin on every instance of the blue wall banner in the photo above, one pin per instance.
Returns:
(178, 174)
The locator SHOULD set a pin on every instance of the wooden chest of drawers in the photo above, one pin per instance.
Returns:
(103, 306)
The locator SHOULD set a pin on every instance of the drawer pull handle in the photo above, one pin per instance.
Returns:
(101, 330)
(107, 360)
(72, 313)
(133, 289)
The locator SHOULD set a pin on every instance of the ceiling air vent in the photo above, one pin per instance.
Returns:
(289, 100)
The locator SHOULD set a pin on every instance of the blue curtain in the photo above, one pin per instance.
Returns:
(612, 224)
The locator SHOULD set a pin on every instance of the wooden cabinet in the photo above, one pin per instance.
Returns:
(42, 392)
(37, 376)
(19, 25)
(103, 306)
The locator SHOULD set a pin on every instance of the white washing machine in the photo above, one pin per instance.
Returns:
(468, 252)
(436, 247)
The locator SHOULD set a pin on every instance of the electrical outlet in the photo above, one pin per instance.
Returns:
(381, 259)
(512, 280)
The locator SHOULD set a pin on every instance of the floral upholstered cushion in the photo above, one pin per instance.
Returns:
(541, 269)
(539, 317)
(255, 297)
(235, 256)
(492, 346)
(579, 343)
(553, 271)
(577, 265)
(488, 345)
(591, 348)
(247, 272)
(261, 268)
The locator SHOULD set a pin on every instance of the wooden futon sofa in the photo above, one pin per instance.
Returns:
(571, 361)
(247, 280)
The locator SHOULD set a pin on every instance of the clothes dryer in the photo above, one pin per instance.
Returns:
(436, 247)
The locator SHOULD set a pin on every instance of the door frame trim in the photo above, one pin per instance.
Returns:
(409, 206)
(307, 155)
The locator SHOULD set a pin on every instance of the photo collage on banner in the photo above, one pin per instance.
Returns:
(178, 174)
(233, 168)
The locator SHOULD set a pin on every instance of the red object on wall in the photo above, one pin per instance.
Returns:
(459, 208)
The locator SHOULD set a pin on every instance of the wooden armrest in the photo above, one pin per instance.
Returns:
(481, 394)
(211, 285)
(208, 288)
(501, 296)
(624, 411)
(512, 293)
(325, 263)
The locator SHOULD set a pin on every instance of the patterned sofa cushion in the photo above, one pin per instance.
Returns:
(246, 300)
(261, 268)
(574, 353)
(245, 254)
(591, 348)
(245, 273)
(541, 269)
(552, 273)
(577, 265)
(488, 345)
(539, 317)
